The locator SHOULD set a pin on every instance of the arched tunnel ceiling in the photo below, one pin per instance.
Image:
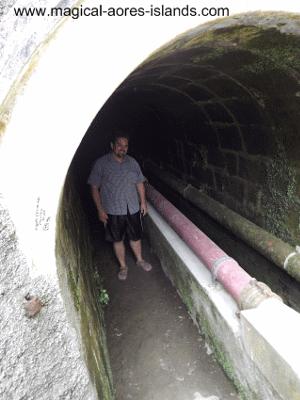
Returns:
(220, 108)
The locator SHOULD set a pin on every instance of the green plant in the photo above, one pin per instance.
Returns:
(103, 297)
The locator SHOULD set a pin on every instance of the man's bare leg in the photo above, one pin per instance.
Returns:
(119, 249)
(136, 246)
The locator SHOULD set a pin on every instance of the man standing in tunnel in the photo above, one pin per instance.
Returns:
(117, 187)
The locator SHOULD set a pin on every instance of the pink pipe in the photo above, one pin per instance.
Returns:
(224, 268)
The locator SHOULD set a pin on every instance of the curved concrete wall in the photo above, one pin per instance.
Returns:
(52, 88)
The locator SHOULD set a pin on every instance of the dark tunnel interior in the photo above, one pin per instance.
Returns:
(219, 110)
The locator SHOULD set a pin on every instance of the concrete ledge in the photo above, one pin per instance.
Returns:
(271, 335)
(249, 345)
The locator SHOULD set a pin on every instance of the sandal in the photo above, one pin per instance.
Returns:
(145, 265)
(122, 275)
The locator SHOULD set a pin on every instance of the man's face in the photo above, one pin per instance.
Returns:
(120, 147)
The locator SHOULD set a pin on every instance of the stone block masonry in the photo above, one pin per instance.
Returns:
(235, 103)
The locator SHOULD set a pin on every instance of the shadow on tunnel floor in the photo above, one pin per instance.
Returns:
(155, 350)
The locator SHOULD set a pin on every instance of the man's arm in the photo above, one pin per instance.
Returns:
(141, 191)
(97, 200)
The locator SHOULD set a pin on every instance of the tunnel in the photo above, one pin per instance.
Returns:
(217, 110)
(230, 132)
(213, 121)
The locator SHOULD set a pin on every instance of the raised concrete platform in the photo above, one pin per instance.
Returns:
(257, 348)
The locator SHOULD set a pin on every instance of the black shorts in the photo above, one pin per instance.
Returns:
(120, 225)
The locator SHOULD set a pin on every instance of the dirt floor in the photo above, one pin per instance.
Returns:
(156, 352)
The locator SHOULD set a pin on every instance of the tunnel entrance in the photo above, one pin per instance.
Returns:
(216, 108)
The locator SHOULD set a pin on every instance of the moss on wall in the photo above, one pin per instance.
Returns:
(76, 267)
(280, 191)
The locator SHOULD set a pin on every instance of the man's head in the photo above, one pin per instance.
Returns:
(119, 145)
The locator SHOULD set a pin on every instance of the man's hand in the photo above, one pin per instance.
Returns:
(103, 217)
(141, 191)
(143, 208)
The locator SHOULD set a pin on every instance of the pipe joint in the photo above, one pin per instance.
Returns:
(217, 265)
(254, 294)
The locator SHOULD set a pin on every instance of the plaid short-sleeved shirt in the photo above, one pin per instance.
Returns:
(117, 183)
